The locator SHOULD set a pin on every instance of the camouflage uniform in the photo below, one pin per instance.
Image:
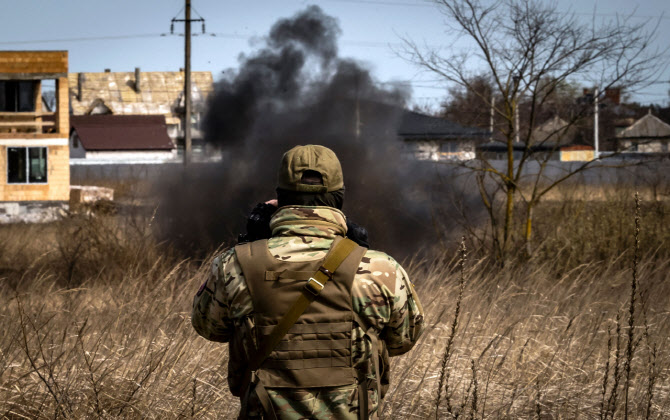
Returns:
(382, 295)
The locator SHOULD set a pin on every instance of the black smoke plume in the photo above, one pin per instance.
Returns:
(296, 90)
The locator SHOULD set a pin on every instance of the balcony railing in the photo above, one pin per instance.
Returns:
(27, 122)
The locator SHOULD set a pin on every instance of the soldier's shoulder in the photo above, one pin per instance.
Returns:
(223, 257)
(380, 260)
(380, 268)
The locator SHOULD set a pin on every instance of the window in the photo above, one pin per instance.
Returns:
(449, 147)
(17, 96)
(26, 165)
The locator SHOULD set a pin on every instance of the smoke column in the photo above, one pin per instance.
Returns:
(296, 90)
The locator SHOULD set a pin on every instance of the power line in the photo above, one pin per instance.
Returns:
(385, 3)
(92, 38)
(430, 4)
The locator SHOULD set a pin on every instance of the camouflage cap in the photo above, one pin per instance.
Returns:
(310, 158)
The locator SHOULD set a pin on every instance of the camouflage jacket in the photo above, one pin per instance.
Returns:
(382, 295)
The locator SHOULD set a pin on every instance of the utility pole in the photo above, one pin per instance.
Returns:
(516, 122)
(493, 104)
(595, 124)
(357, 128)
(187, 83)
(516, 80)
(187, 75)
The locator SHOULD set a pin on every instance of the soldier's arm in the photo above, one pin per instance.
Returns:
(407, 318)
(221, 299)
(384, 297)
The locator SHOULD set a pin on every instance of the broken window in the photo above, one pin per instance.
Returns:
(26, 165)
(17, 96)
(49, 98)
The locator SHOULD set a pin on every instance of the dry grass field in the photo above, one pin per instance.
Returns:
(95, 322)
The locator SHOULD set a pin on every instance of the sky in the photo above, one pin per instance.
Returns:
(124, 34)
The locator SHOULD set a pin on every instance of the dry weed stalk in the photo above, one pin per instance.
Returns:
(475, 391)
(630, 348)
(444, 373)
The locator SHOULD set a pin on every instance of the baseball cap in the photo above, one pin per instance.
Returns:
(299, 164)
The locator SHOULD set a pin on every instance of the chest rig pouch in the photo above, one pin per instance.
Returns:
(316, 349)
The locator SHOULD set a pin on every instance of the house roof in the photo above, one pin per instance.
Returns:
(554, 131)
(121, 132)
(416, 126)
(648, 126)
(159, 93)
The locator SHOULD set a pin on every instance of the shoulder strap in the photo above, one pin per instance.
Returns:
(312, 289)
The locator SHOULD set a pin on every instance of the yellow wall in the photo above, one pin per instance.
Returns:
(57, 187)
(577, 155)
(63, 113)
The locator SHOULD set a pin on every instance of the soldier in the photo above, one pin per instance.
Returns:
(311, 317)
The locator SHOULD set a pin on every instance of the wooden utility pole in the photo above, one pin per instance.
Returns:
(187, 74)
(491, 120)
(187, 83)
(596, 153)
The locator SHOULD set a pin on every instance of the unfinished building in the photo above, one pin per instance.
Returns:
(34, 130)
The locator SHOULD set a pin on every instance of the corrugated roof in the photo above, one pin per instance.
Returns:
(122, 132)
(160, 92)
(648, 126)
(417, 126)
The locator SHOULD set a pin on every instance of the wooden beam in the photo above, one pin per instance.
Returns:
(31, 76)
(33, 62)
(27, 124)
(26, 114)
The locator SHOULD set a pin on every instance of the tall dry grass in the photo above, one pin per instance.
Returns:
(541, 339)
(95, 318)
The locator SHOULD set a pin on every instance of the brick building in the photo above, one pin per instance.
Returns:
(34, 153)
(142, 93)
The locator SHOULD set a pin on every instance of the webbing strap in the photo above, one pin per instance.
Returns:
(288, 274)
(363, 383)
(312, 289)
(363, 409)
(264, 399)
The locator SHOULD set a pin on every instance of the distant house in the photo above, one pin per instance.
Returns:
(142, 93)
(33, 138)
(554, 139)
(649, 135)
(119, 139)
(438, 139)
(557, 136)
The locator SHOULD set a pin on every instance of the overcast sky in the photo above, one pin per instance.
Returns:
(124, 34)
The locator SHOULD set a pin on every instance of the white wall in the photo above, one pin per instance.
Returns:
(126, 157)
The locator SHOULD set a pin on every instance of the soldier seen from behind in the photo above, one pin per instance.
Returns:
(310, 316)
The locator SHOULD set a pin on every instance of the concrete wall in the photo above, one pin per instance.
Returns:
(77, 151)
(148, 157)
(437, 150)
(646, 146)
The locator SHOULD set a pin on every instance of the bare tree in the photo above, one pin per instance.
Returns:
(529, 49)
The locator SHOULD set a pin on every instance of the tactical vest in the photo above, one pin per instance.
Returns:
(316, 351)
